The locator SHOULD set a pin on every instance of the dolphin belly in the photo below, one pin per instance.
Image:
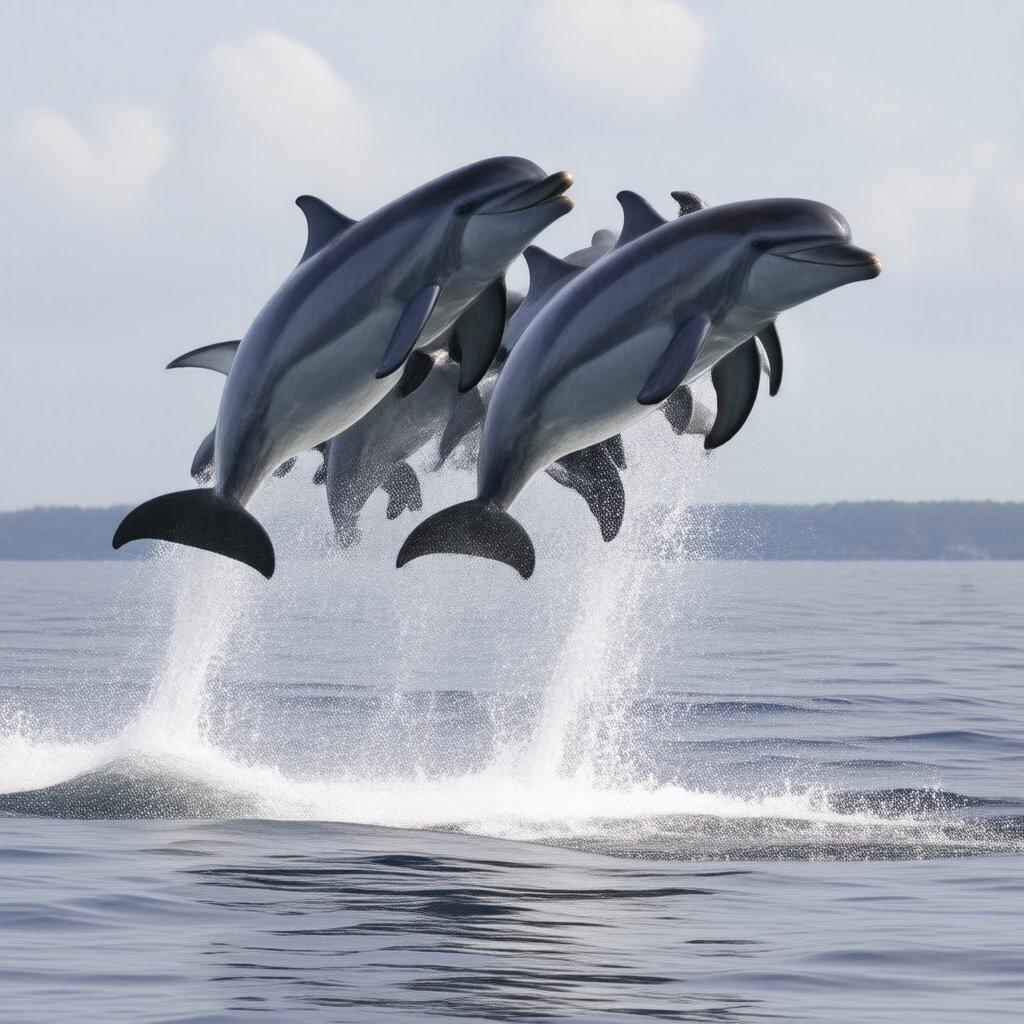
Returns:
(533, 422)
(316, 398)
(598, 398)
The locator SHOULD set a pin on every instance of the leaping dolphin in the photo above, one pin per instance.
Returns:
(624, 335)
(686, 413)
(365, 295)
(593, 473)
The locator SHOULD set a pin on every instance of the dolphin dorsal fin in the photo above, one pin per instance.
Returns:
(323, 222)
(689, 202)
(638, 217)
(546, 270)
(210, 357)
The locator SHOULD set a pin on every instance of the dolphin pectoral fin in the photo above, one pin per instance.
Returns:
(417, 369)
(678, 409)
(638, 217)
(478, 334)
(736, 379)
(323, 223)
(402, 487)
(467, 415)
(217, 357)
(407, 333)
(202, 461)
(675, 361)
(201, 518)
(286, 467)
(472, 528)
(320, 476)
(592, 474)
(614, 447)
(772, 347)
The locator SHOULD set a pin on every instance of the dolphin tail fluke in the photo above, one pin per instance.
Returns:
(201, 518)
(472, 528)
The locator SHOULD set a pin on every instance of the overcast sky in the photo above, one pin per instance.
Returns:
(151, 154)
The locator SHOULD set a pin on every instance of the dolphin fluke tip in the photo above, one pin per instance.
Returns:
(201, 518)
(472, 528)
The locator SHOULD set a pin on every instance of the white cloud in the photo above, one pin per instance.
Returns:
(638, 51)
(112, 165)
(275, 110)
(918, 215)
(857, 99)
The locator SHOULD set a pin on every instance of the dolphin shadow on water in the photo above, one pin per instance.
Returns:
(363, 297)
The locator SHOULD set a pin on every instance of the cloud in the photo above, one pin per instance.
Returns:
(857, 99)
(112, 165)
(923, 216)
(634, 51)
(274, 110)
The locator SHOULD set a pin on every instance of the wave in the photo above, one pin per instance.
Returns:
(112, 781)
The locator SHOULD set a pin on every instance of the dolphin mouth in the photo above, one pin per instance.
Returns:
(537, 193)
(836, 254)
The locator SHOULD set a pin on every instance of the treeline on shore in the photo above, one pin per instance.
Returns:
(864, 530)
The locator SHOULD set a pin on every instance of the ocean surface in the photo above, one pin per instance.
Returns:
(628, 789)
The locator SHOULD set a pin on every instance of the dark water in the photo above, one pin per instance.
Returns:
(700, 792)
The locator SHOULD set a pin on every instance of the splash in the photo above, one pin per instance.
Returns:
(561, 765)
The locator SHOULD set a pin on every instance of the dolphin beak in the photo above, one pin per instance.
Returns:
(838, 254)
(534, 194)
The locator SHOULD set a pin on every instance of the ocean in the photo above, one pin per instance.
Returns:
(630, 788)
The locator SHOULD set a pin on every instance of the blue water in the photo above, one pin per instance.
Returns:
(682, 791)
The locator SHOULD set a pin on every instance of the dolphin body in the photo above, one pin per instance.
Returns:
(364, 296)
(623, 336)
(686, 413)
(219, 357)
(373, 453)
(594, 472)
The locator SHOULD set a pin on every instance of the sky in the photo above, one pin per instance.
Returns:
(150, 155)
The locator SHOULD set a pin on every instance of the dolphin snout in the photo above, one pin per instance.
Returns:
(534, 194)
(838, 254)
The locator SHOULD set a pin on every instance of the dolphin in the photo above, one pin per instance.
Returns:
(686, 413)
(618, 340)
(218, 357)
(593, 472)
(373, 453)
(363, 297)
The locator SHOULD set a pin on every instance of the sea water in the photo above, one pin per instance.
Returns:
(636, 785)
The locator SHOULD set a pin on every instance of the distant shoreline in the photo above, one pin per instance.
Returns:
(841, 531)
